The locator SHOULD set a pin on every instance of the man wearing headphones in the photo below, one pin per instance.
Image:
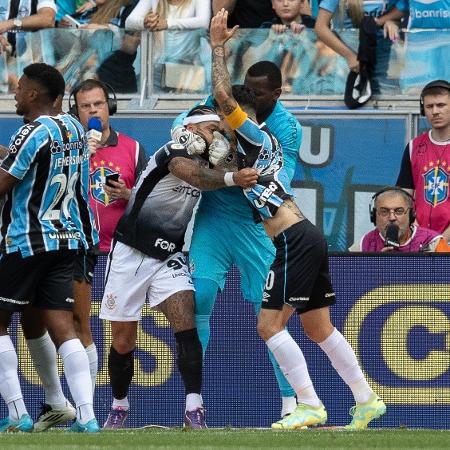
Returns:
(424, 171)
(115, 163)
(392, 213)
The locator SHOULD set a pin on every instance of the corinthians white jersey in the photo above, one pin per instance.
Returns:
(160, 207)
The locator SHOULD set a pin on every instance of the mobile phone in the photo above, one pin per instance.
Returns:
(73, 23)
(111, 177)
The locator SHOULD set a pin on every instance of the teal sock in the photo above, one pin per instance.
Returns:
(205, 296)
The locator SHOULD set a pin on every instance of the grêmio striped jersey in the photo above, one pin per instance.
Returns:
(48, 209)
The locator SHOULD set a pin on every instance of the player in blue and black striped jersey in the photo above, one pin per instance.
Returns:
(44, 220)
(298, 280)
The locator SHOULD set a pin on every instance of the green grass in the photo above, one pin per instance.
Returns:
(229, 439)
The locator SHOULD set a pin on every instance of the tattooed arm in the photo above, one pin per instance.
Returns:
(219, 34)
(208, 179)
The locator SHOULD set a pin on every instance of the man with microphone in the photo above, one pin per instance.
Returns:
(392, 212)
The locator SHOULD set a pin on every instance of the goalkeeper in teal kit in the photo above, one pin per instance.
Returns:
(225, 232)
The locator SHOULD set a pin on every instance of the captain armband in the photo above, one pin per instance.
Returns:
(236, 118)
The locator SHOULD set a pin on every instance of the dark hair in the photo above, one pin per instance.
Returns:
(266, 69)
(88, 85)
(201, 110)
(244, 96)
(47, 77)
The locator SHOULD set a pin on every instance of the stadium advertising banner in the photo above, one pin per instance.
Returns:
(394, 310)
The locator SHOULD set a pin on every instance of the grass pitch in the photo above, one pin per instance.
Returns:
(229, 439)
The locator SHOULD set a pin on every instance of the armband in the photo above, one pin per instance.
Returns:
(236, 118)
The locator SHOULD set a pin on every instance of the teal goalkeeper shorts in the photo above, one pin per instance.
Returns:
(218, 243)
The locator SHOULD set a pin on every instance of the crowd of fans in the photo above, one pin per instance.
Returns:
(314, 42)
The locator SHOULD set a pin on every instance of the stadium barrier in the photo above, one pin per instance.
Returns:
(393, 309)
(178, 62)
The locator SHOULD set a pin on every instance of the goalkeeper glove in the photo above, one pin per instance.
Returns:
(219, 150)
(195, 145)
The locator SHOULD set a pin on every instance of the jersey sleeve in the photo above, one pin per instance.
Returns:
(24, 148)
(141, 161)
(405, 178)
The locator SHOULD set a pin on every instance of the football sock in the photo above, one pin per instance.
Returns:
(193, 401)
(76, 370)
(121, 371)
(43, 353)
(344, 360)
(190, 360)
(283, 384)
(91, 352)
(293, 364)
(288, 404)
(122, 403)
(205, 297)
(9, 385)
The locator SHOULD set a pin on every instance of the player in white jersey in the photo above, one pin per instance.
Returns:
(146, 262)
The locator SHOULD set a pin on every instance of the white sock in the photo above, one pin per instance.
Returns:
(344, 360)
(123, 403)
(293, 365)
(43, 353)
(91, 352)
(193, 402)
(76, 370)
(9, 385)
(288, 404)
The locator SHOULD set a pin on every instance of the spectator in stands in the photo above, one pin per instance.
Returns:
(245, 13)
(69, 8)
(13, 18)
(424, 170)
(425, 50)
(292, 15)
(177, 52)
(392, 212)
(346, 15)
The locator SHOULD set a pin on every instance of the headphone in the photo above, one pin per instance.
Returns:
(433, 84)
(373, 210)
(91, 84)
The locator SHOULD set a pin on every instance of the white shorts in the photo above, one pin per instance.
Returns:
(133, 277)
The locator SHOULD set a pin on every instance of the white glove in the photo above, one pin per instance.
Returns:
(219, 149)
(195, 144)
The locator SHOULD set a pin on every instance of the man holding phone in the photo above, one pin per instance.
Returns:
(115, 163)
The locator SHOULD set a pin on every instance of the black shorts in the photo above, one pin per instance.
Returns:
(84, 265)
(44, 280)
(299, 275)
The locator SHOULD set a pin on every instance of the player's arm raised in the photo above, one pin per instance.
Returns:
(219, 34)
(209, 179)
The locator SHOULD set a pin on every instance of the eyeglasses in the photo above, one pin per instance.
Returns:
(96, 105)
(385, 212)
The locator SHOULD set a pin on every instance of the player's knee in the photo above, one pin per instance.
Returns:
(318, 333)
(205, 295)
(123, 344)
(266, 328)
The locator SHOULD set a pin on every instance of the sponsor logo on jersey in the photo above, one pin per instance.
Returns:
(20, 138)
(266, 296)
(65, 235)
(165, 245)
(187, 190)
(265, 195)
(436, 186)
(60, 147)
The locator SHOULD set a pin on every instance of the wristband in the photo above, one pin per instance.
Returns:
(228, 179)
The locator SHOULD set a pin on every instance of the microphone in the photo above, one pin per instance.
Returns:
(94, 133)
(391, 239)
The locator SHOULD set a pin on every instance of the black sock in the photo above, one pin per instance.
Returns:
(121, 371)
(190, 360)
